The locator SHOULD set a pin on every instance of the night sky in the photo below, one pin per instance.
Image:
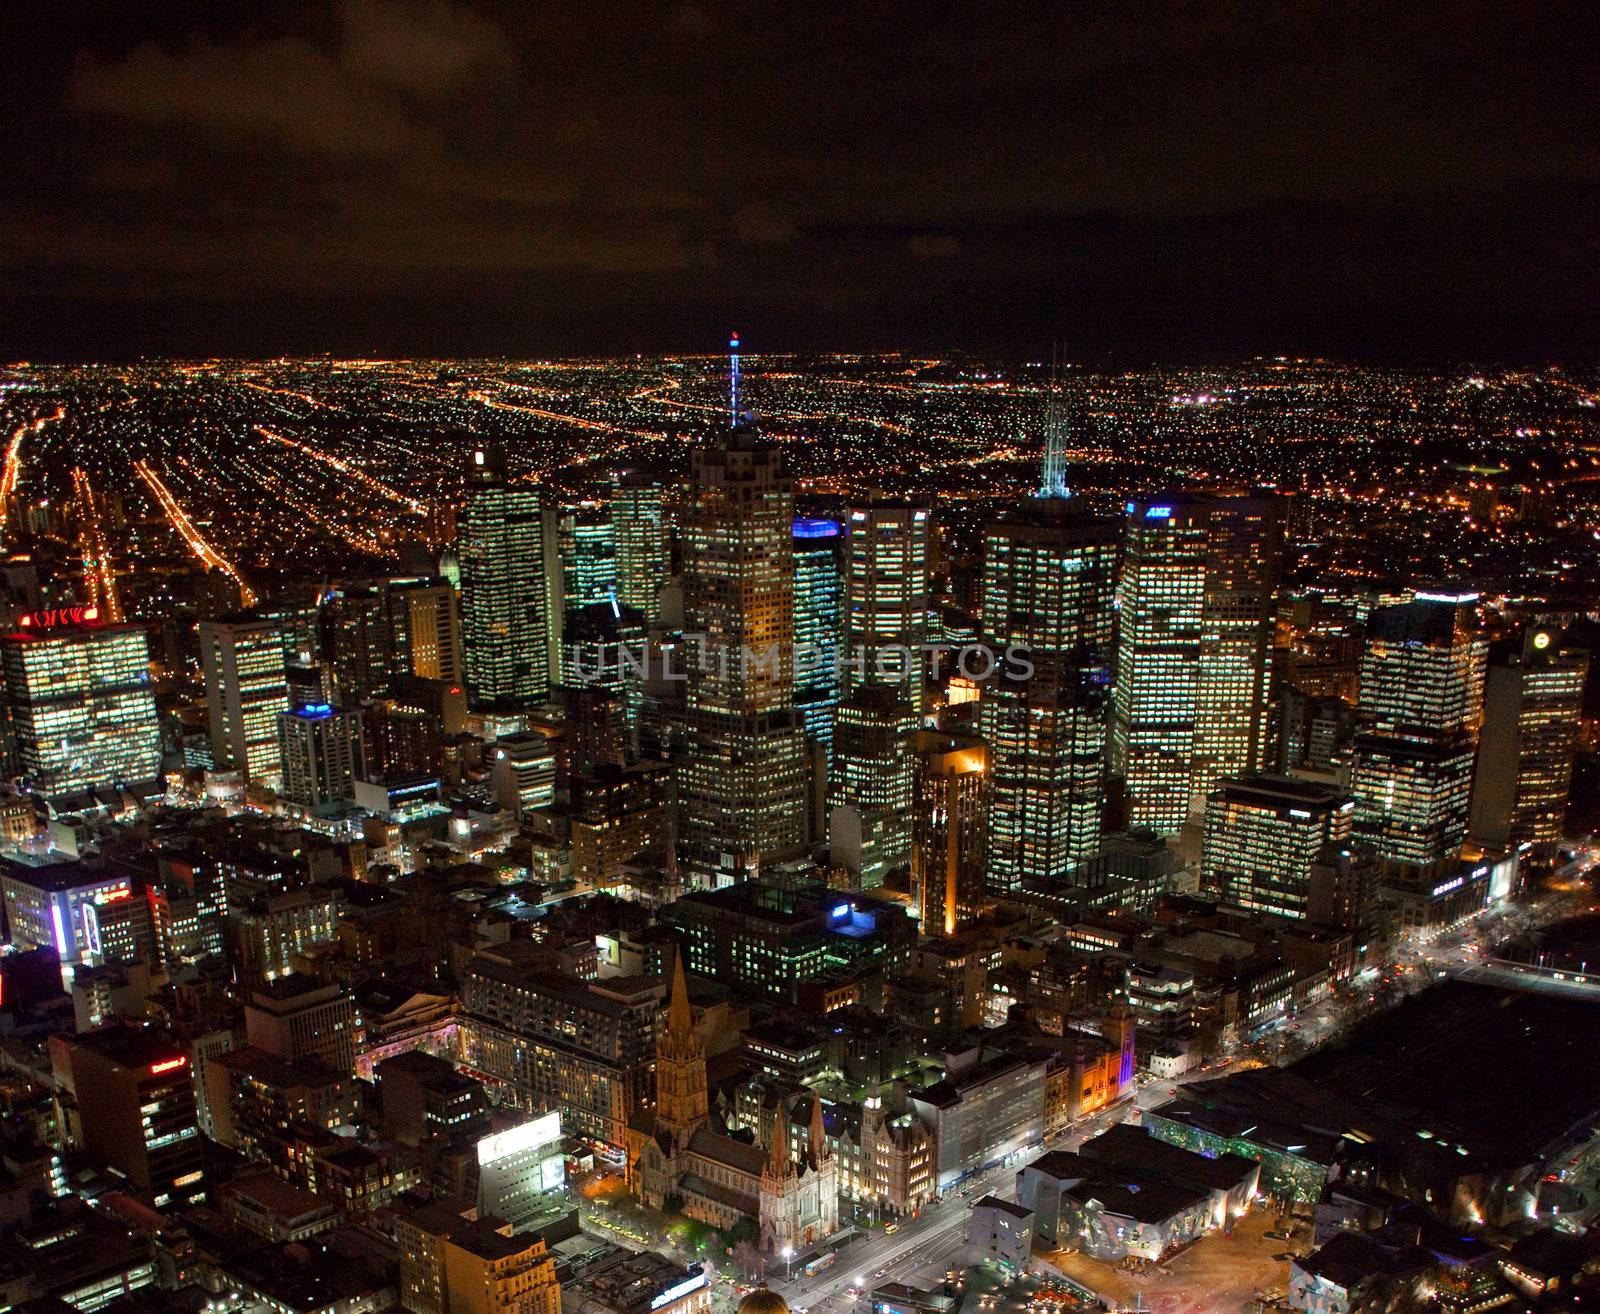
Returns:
(1168, 182)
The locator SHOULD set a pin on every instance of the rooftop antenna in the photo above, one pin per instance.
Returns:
(733, 376)
(1054, 483)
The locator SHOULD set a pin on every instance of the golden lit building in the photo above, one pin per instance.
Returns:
(492, 1272)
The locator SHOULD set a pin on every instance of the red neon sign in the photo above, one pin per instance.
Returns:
(54, 616)
(167, 1065)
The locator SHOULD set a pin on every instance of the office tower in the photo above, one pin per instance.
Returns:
(376, 632)
(1160, 622)
(524, 773)
(245, 690)
(79, 710)
(742, 781)
(886, 597)
(640, 530)
(357, 642)
(433, 631)
(1049, 573)
(307, 684)
(323, 755)
(298, 618)
(818, 621)
(1263, 836)
(604, 646)
(1244, 553)
(135, 1107)
(947, 839)
(1532, 702)
(588, 556)
(301, 1019)
(505, 598)
(873, 779)
(1196, 609)
(1421, 700)
(402, 740)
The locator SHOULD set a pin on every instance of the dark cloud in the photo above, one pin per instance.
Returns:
(427, 47)
(421, 175)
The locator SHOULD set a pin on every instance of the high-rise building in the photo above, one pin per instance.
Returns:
(1160, 622)
(742, 781)
(1421, 702)
(947, 825)
(79, 711)
(588, 556)
(818, 621)
(524, 772)
(1263, 837)
(1533, 699)
(378, 632)
(323, 755)
(1244, 554)
(505, 594)
(135, 1107)
(640, 530)
(886, 597)
(874, 775)
(1196, 608)
(605, 646)
(245, 690)
(1047, 593)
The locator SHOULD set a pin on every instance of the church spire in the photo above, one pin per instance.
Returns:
(818, 1140)
(680, 1021)
(778, 1162)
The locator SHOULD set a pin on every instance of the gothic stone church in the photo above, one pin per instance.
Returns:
(674, 1151)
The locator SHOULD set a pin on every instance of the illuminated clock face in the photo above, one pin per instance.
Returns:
(1541, 640)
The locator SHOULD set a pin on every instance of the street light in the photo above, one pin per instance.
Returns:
(788, 1263)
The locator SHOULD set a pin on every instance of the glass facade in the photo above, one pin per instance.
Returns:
(505, 602)
(80, 713)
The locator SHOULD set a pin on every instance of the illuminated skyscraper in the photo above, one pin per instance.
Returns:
(1244, 552)
(588, 556)
(640, 529)
(886, 605)
(376, 632)
(1421, 701)
(505, 597)
(874, 774)
(245, 690)
(1195, 604)
(1047, 590)
(1263, 835)
(1161, 610)
(742, 782)
(323, 756)
(817, 626)
(78, 704)
(1532, 702)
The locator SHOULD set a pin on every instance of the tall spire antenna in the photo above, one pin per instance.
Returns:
(733, 376)
(1054, 482)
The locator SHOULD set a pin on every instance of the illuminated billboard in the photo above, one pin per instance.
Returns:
(517, 1140)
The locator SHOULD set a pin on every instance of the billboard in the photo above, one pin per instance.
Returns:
(516, 1140)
